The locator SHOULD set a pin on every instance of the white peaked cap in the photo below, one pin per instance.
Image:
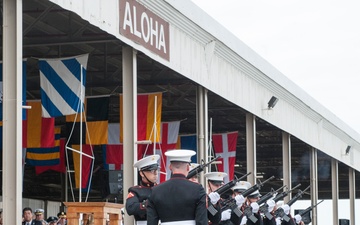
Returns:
(180, 155)
(254, 194)
(147, 161)
(193, 165)
(242, 185)
(215, 176)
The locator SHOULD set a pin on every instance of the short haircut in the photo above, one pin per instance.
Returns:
(179, 165)
(27, 209)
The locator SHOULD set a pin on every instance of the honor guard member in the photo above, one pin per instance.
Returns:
(238, 189)
(271, 209)
(227, 214)
(137, 198)
(251, 202)
(215, 181)
(28, 217)
(178, 201)
(195, 178)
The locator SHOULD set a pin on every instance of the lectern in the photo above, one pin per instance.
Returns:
(100, 211)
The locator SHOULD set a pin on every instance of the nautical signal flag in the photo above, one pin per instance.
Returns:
(113, 156)
(146, 110)
(225, 145)
(113, 151)
(95, 130)
(188, 141)
(62, 82)
(87, 166)
(169, 137)
(45, 156)
(38, 132)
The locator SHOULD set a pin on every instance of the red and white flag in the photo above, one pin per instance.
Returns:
(225, 145)
(169, 137)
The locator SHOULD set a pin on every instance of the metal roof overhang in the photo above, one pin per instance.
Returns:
(202, 53)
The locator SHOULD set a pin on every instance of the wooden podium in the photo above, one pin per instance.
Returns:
(98, 210)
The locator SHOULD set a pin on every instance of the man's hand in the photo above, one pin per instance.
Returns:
(255, 207)
(214, 197)
(271, 205)
(225, 215)
(286, 209)
(297, 218)
(239, 200)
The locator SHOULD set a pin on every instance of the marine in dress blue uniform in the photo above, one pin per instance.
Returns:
(178, 201)
(136, 202)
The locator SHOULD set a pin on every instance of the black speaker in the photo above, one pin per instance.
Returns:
(306, 218)
(115, 181)
(344, 222)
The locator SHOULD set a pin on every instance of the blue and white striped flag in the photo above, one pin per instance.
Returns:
(62, 84)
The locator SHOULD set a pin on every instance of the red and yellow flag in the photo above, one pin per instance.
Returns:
(145, 116)
(38, 132)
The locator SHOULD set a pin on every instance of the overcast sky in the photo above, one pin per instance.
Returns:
(316, 44)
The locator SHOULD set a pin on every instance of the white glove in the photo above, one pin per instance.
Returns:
(214, 197)
(286, 209)
(255, 207)
(225, 215)
(297, 218)
(278, 221)
(271, 205)
(243, 220)
(239, 200)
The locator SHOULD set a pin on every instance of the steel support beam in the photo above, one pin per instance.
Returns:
(352, 195)
(251, 147)
(314, 183)
(12, 176)
(201, 127)
(129, 65)
(286, 152)
(335, 190)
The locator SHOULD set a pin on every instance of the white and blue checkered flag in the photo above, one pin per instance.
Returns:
(62, 84)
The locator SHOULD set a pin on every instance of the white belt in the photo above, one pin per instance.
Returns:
(183, 222)
(141, 222)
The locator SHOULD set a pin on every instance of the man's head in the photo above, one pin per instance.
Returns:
(215, 180)
(27, 214)
(62, 217)
(148, 168)
(180, 160)
(52, 220)
(253, 197)
(39, 214)
(240, 187)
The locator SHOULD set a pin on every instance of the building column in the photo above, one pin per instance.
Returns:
(352, 193)
(251, 147)
(129, 65)
(12, 170)
(335, 190)
(286, 152)
(202, 129)
(314, 184)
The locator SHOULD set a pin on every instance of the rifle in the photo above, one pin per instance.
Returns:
(280, 211)
(308, 209)
(264, 208)
(297, 196)
(248, 210)
(230, 184)
(225, 188)
(200, 168)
